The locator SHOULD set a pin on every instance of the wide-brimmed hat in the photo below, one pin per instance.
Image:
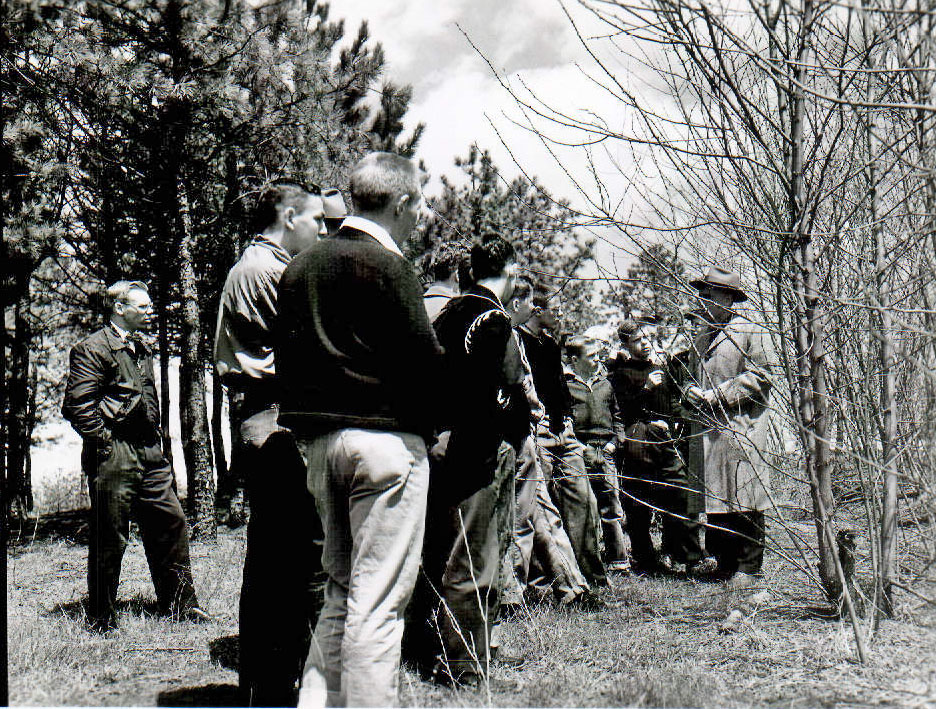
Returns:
(724, 279)
(334, 205)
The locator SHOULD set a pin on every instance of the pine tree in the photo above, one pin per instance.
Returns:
(540, 227)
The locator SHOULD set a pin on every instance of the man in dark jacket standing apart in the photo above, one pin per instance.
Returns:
(359, 370)
(110, 399)
(278, 601)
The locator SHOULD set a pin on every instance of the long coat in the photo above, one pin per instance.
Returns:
(735, 367)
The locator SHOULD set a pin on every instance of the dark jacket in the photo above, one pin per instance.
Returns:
(485, 372)
(111, 393)
(545, 357)
(353, 345)
(637, 406)
(593, 406)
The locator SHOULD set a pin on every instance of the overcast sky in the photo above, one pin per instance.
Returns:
(457, 95)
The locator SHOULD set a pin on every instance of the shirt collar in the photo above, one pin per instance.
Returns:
(381, 235)
(278, 251)
(121, 333)
(572, 374)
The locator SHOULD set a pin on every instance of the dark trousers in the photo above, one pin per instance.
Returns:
(739, 544)
(457, 599)
(136, 480)
(282, 589)
(561, 457)
(663, 486)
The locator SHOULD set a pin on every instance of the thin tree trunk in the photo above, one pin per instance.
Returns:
(19, 484)
(163, 276)
(217, 427)
(811, 383)
(884, 573)
(196, 445)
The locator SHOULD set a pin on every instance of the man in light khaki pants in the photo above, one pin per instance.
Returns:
(360, 371)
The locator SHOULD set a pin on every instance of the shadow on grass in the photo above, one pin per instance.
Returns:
(225, 651)
(78, 610)
(71, 525)
(209, 695)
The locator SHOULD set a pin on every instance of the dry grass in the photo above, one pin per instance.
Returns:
(657, 645)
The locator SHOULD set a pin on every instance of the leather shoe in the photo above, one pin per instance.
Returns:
(505, 658)
(194, 614)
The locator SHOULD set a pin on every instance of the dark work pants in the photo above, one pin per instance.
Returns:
(136, 480)
(739, 545)
(457, 597)
(282, 589)
(663, 486)
(561, 457)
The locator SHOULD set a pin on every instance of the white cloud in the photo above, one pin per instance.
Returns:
(457, 96)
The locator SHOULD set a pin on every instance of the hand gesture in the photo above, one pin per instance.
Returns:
(654, 379)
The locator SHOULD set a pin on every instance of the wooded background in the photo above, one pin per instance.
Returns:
(791, 140)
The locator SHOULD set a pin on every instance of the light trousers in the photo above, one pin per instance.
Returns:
(370, 489)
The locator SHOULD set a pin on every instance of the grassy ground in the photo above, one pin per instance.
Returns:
(656, 645)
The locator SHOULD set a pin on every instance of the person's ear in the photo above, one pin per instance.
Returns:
(288, 215)
(400, 205)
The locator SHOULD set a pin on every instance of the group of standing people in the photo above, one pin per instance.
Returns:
(420, 462)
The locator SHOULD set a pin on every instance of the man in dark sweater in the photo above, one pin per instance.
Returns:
(561, 453)
(473, 485)
(652, 473)
(359, 368)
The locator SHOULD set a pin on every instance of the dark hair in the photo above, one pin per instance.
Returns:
(447, 260)
(522, 288)
(490, 256)
(577, 346)
(627, 329)
(286, 193)
(542, 296)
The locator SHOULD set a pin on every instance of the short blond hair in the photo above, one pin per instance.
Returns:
(119, 291)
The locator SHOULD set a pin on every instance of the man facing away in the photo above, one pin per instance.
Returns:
(473, 483)
(110, 399)
(277, 602)
(652, 474)
(359, 368)
(733, 405)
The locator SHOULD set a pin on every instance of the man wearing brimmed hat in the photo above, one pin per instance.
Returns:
(732, 400)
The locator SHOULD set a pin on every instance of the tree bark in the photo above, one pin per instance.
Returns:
(217, 427)
(196, 445)
(811, 381)
(19, 422)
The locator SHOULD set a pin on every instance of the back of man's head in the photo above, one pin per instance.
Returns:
(445, 262)
(378, 178)
(490, 256)
(273, 199)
